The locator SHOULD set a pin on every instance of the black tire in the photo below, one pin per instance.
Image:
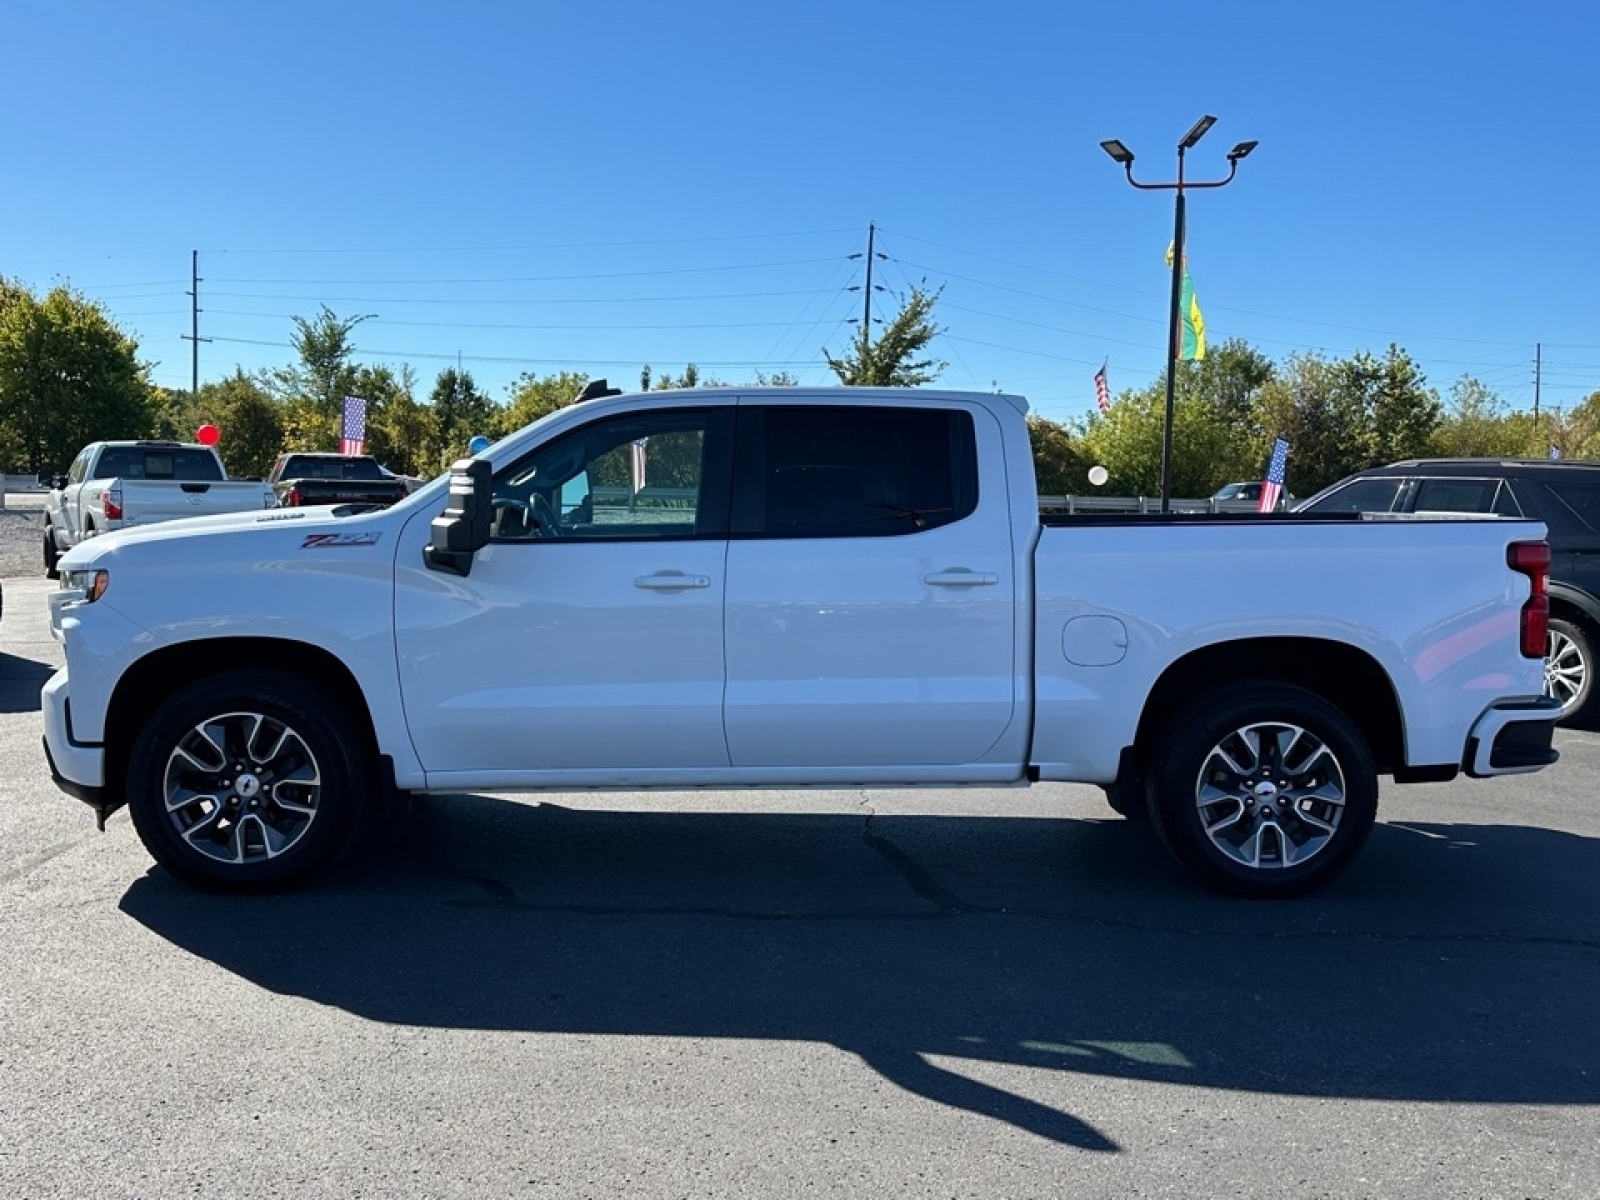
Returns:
(51, 555)
(1263, 790)
(1569, 667)
(266, 779)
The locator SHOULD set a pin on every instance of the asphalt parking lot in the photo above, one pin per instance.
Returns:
(987, 993)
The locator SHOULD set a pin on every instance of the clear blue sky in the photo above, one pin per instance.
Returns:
(604, 185)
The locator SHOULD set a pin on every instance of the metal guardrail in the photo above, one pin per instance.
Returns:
(20, 485)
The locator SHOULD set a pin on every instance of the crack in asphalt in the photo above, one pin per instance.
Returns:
(24, 865)
(945, 904)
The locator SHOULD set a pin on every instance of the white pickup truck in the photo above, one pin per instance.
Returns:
(786, 587)
(113, 485)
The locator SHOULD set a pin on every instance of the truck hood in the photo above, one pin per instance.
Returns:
(255, 536)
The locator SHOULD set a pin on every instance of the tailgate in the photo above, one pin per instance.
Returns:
(147, 502)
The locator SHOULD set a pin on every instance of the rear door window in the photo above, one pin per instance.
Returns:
(1377, 493)
(1582, 500)
(1448, 494)
(833, 471)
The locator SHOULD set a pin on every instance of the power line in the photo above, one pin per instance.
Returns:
(521, 360)
(505, 300)
(500, 279)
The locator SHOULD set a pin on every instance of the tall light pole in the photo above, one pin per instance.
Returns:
(1124, 156)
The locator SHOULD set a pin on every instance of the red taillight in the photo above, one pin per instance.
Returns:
(111, 500)
(1533, 560)
(292, 500)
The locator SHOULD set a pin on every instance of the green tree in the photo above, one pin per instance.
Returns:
(392, 409)
(533, 397)
(402, 434)
(176, 414)
(249, 421)
(689, 379)
(1476, 424)
(1059, 465)
(1208, 448)
(1402, 412)
(1229, 378)
(313, 389)
(68, 376)
(1310, 404)
(460, 413)
(891, 359)
(1576, 432)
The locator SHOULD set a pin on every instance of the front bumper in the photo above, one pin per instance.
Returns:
(78, 768)
(1512, 737)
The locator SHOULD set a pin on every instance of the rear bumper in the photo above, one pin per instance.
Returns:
(1512, 737)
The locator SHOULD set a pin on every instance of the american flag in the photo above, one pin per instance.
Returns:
(637, 462)
(353, 436)
(1102, 391)
(1272, 488)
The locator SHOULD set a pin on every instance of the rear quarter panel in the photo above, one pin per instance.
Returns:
(1433, 603)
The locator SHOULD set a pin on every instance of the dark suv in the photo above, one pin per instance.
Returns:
(1564, 495)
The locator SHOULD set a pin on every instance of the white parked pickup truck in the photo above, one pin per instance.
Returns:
(784, 587)
(112, 485)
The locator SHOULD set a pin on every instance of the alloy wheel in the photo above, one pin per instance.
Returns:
(242, 787)
(1565, 671)
(1270, 795)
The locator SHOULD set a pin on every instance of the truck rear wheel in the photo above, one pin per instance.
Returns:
(247, 782)
(1263, 790)
(1569, 667)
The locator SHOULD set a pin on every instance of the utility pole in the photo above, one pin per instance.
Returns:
(1538, 349)
(193, 337)
(866, 312)
(866, 304)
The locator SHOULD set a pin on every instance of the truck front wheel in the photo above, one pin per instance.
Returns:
(1263, 790)
(51, 554)
(247, 782)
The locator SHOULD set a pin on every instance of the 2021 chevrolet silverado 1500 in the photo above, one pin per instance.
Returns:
(111, 485)
(784, 587)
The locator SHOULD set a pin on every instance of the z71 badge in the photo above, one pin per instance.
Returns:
(319, 541)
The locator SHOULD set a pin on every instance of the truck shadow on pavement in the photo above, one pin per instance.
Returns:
(20, 681)
(1453, 964)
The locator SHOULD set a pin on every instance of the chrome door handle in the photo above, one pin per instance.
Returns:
(961, 578)
(670, 582)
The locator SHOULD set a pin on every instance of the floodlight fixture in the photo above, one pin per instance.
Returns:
(1198, 132)
(1119, 153)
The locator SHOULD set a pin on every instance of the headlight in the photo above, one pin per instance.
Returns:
(90, 583)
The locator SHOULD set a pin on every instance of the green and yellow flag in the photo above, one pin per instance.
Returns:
(1193, 325)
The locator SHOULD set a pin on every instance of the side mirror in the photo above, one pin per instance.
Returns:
(462, 529)
(58, 482)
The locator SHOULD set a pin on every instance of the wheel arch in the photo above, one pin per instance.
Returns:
(156, 677)
(1345, 676)
(1574, 603)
